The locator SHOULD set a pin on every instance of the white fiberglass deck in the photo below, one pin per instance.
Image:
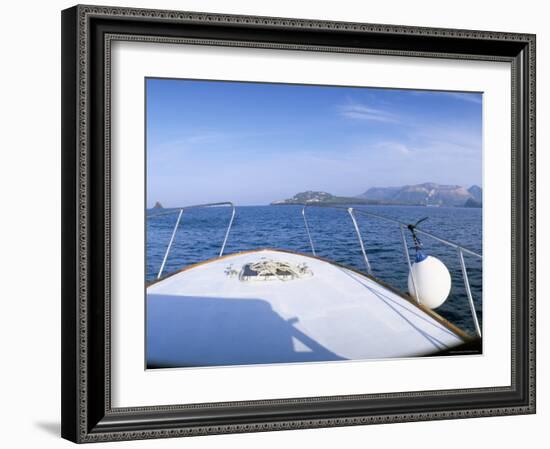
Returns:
(203, 317)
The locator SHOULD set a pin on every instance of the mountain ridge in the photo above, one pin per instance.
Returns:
(425, 194)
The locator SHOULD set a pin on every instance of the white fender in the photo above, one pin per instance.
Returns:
(432, 281)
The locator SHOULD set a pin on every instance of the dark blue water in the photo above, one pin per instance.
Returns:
(201, 234)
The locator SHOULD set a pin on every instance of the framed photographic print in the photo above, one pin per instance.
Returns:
(276, 223)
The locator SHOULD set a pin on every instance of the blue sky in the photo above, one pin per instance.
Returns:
(252, 143)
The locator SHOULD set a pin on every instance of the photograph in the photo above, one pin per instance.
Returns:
(301, 223)
(273, 222)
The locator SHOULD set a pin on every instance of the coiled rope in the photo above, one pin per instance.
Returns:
(268, 269)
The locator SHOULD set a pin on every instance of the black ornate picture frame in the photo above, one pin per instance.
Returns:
(87, 34)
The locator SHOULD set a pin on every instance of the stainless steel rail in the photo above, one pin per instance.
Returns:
(307, 230)
(460, 249)
(356, 226)
(468, 290)
(180, 211)
(408, 257)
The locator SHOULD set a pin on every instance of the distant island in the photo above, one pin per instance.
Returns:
(470, 202)
(157, 206)
(426, 194)
(316, 197)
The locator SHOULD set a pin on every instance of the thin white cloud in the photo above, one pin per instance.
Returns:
(396, 147)
(458, 138)
(361, 112)
(471, 98)
(208, 137)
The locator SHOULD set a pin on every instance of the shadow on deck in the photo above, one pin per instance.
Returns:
(186, 331)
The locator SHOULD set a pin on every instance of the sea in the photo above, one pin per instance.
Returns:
(201, 233)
